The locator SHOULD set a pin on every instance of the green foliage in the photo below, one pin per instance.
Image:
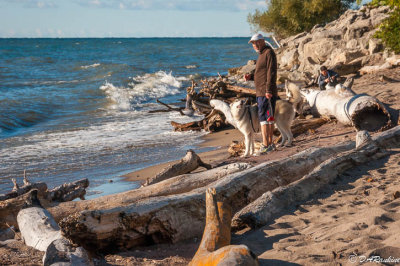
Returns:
(389, 30)
(288, 17)
(391, 3)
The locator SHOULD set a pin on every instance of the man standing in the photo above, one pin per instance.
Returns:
(327, 77)
(266, 90)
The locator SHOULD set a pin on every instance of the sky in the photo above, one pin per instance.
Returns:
(126, 18)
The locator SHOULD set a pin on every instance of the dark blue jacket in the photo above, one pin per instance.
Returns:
(321, 79)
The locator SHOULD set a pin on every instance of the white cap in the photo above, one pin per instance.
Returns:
(256, 37)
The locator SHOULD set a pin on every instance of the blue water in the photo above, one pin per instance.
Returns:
(76, 108)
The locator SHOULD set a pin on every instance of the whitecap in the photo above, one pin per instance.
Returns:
(91, 66)
(191, 66)
(141, 89)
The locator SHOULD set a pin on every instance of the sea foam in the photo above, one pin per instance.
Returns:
(141, 89)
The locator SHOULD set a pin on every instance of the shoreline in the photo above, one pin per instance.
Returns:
(218, 142)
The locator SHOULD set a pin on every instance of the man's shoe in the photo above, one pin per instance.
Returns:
(265, 149)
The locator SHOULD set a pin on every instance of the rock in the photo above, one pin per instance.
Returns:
(320, 50)
(396, 195)
(357, 29)
(374, 46)
(346, 45)
(352, 44)
(288, 59)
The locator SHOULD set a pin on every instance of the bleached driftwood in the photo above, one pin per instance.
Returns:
(123, 223)
(362, 111)
(215, 248)
(187, 164)
(175, 185)
(272, 203)
(10, 207)
(40, 231)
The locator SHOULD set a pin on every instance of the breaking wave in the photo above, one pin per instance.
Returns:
(142, 89)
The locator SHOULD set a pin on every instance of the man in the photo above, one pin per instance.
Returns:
(327, 77)
(266, 90)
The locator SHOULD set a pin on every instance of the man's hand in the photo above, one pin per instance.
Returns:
(268, 95)
(326, 80)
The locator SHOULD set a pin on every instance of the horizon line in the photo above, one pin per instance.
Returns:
(177, 37)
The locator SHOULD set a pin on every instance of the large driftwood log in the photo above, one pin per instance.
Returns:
(126, 224)
(272, 203)
(187, 164)
(175, 185)
(362, 111)
(214, 248)
(40, 231)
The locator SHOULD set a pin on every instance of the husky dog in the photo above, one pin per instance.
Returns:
(245, 117)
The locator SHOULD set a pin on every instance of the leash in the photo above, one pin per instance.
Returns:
(251, 121)
(270, 110)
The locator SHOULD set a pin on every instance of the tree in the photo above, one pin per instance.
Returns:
(389, 30)
(289, 17)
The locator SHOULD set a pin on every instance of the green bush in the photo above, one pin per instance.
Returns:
(289, 17)
(389, 30)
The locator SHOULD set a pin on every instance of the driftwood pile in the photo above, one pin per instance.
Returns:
(12, 202)
(199, 102)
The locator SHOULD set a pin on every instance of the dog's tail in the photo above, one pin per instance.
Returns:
(293, 92)
(294, 96)
(225, 109)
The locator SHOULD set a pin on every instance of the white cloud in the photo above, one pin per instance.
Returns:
(186, 5)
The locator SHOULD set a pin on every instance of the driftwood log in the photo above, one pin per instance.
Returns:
(10, 207)
(18, 191)
(190, 162)
(69, 191)
(362, 111)
(124, 223)
(175, 185)
(40, 231)
(215, 248)
(241, 90)
(272, 203)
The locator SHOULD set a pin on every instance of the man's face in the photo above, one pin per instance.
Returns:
(257, 45)
(324, 72)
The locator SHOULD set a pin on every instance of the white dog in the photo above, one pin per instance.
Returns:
(245, 117)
